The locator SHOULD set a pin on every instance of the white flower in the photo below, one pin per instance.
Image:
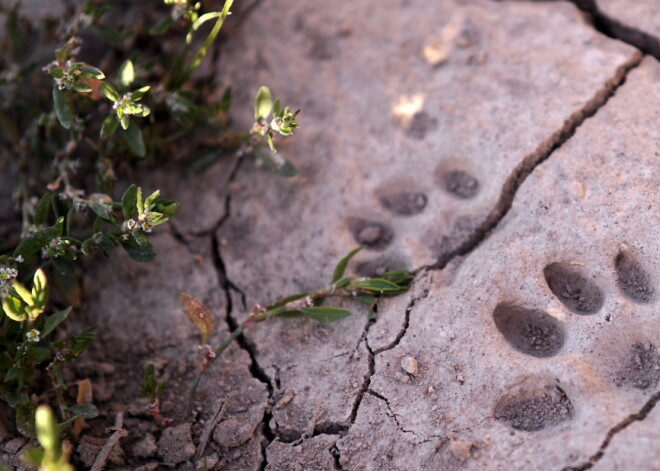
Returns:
(33, 335)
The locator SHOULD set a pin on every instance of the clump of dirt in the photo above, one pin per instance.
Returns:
(633, 280)
(642, 370)
(404, 203)
(535, 411)
(574, 290)
(372, 234)
(529, 331)
(460, 184)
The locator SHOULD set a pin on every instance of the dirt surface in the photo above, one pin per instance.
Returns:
(507, 153)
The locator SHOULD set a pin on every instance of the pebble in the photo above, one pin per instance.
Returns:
(409, 365)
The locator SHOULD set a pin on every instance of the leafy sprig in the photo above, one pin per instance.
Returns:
(283, 122)
(307, 304)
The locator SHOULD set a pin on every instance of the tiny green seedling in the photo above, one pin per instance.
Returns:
(283, 122)
(153, 389)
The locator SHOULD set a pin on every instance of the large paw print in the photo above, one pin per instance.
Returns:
(542, 404)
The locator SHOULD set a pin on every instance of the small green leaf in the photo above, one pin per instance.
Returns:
(88, 411)
(225, 101)
(62, 107)
(140, 238)
(277, 163)
(100, 210)
(25, 418)
(140, 253)
(376, 285)
(64, 266)
(132, 134)
(277, 108)
(124, 121)
(37, 241)
(33, 457)
(325, 314)
(343, 263)
(15, 398)
(42, 209)
(344, 282)
(287, 299)
(126, 74)
(109, 127)
(167, 207)
(81, 87)
(139, 93)
(365, 299)
(24, 293)
(162, 26)
(110, 92)
(14, 308)
(271, 143)
(289, 314)
(38, 354)
(263, 104)
(54, 320)
(129, 202)
(92, 72)
(151, 200)
(57, 72)
(139, 201)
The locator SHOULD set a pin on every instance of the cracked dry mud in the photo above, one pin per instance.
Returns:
(507, 153)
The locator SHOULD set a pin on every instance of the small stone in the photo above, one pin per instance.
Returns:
(145, 447)
(430, 390)
(284, 401)
(370, 234)
(148, 467)
(460, 449)
(409, 365)
(208, 462)
(175, 445)
(15, 444)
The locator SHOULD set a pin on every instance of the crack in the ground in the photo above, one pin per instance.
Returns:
(406, 324)
(232, 324)
(329, 427)
(637, 417)
(371, 362)
(227, 203)
(532, 161)
(418, 440)
(336, 454)
(227, 287)
(613, 28)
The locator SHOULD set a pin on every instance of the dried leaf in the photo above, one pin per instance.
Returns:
(198, 314)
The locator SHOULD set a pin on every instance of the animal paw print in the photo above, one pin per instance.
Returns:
(399, 202)
(542, 404)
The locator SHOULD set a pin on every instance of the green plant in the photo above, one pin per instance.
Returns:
(64, 167)
(69, 132)
(283, 122)
(153, 389)
(54, 455)
(309, 304)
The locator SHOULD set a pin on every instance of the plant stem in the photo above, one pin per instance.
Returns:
(206, 46)
(223, 346)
